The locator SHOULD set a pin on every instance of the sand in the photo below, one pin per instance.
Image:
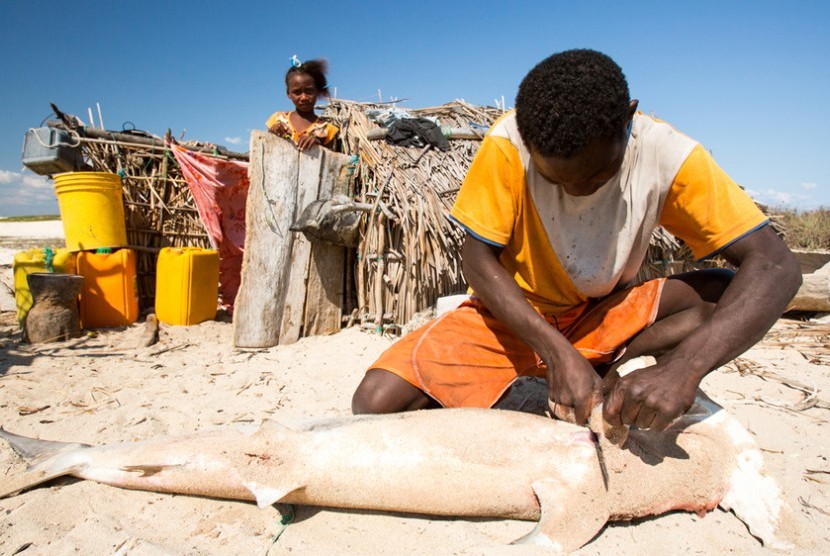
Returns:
(103, 388)
(16, 236)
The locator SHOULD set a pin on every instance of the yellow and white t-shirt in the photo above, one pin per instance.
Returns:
(563, 250)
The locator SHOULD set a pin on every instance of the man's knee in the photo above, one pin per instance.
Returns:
(708, 283)
(383, 392)
(369, 397)
(693, 294)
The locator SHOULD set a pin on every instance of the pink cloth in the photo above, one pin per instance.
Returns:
(220, 190)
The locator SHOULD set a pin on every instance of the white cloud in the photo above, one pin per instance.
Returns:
(779, 196)
(809, 185)
(771, 197)
(233, 140)
(26, 193)
(36, 182)
(790, 200)
(8, 177)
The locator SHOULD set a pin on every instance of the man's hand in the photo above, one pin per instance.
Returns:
(766, 270)
(651, 398)
(574, 387)
(572, 381)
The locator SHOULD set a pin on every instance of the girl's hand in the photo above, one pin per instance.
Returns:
(279, 128)
(305, 142)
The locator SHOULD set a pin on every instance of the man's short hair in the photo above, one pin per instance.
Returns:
(570, 98)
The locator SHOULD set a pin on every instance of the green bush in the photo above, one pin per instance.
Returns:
(806, 229)
(39, 218)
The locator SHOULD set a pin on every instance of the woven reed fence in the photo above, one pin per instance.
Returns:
(158, 207)
(409, 254)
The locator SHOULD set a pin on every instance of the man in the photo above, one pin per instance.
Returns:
(559, 206)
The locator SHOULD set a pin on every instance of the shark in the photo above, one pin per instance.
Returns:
(449, 462)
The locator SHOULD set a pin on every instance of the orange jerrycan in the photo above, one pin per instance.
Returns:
(187, 285)
(110, 294)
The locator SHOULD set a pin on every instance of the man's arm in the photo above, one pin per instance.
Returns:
(767, 278)
(572, 381)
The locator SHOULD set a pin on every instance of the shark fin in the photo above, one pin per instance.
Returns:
(35, 449)
(266, 495)
(570, 516)
(10, 486)
(755, 497)
(47, 460)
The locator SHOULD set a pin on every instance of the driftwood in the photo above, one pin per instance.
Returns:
(814, 293)
(270, 208)
(811, 261)
(271, 304)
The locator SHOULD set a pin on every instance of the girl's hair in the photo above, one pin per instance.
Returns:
(316, 69)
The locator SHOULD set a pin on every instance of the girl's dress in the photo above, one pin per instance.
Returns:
(321, 129)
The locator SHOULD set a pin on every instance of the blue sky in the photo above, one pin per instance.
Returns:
(749, 80)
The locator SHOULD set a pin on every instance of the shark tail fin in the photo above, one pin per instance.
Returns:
(11, 486)
(44, 463)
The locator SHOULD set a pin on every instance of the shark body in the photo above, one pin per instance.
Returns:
(452, 462)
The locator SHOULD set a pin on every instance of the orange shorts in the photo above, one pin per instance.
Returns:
(467, 358)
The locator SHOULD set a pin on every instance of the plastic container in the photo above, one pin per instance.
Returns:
(91, 210)
(110, 294)
(37, 260)
(49, 151)
(187, 285)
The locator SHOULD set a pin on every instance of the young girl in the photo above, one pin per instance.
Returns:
(304, 82)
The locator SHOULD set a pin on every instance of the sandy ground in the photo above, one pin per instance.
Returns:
(103, 388)
(45, 228)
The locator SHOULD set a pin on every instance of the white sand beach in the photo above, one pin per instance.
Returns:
(104, 387)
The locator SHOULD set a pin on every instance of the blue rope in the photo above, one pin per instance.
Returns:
(49, 255)
(286, 520)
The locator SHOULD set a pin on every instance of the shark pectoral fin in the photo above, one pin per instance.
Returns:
(266, 495)
(11, 486)
(571, 514)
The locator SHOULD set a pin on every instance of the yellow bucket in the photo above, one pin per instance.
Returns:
(91, 210)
